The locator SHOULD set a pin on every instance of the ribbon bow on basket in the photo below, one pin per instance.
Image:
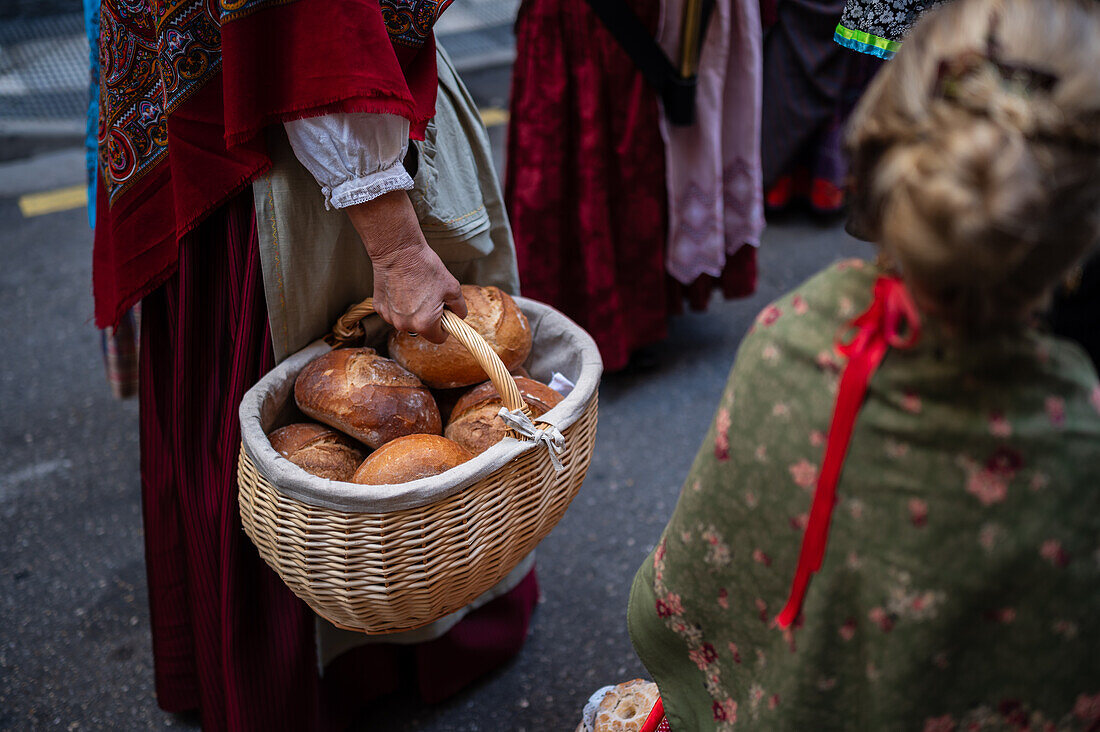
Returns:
(878, 329)
(550, 435)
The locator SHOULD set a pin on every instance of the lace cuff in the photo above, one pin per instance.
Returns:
(353, 157)
(368, 187)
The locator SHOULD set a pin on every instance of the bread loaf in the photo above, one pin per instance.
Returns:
(475, 423)
(624, 708)
(367, 396)
(319, 450)
(410, 458)
(446, 399)
(493, 314)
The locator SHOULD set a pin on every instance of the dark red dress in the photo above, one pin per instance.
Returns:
(585, 185)
(187, 90)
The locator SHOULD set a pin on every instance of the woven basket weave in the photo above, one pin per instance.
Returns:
(386, 559)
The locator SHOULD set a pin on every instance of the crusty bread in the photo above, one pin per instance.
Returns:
(367, 396)
(492, 313)
(410, 458)
(626, 707)
(319, 450)
(446, 399)
(474, 421)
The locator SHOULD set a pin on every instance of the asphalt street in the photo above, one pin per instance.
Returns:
(74, 634)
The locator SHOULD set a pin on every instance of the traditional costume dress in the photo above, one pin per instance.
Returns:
(618, 221)
(958, 573)
(200, 206)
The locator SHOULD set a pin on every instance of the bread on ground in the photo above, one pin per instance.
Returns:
(624, 708)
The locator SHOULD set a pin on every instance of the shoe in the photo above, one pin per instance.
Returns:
(779, 195)
(826, 197)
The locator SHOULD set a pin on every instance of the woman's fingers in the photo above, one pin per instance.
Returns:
(421, 317)
(434, 333)
(428, 322)
(428, 325)
(455, 301)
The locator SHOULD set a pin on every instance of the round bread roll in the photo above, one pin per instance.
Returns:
(475, 423)
(410, 458)
(492, 313)
(367, 396)
(319, 450)
(446, 399)
(624, 708)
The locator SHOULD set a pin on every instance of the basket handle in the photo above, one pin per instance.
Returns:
(347, 328)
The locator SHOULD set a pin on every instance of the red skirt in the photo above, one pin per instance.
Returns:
(585, 184)
(229, 638)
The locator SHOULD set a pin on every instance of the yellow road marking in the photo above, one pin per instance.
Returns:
(493, 116)
(61, 199)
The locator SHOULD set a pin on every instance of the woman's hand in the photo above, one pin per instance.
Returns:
(411, 285)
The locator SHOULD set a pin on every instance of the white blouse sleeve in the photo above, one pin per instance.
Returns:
(354, 157)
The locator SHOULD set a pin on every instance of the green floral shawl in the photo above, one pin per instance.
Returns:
(961, 583)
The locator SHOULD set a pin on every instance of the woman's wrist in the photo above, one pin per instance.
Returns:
(388, 227)
(411, 283)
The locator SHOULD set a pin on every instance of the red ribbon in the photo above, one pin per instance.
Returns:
(892, 311)
(655, 719)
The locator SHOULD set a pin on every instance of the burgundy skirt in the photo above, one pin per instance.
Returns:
(585, 184)
(229, 638)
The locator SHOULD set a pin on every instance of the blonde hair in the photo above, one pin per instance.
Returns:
(976, 155)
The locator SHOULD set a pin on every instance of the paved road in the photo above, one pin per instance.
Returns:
(37, 8)
(74, 635)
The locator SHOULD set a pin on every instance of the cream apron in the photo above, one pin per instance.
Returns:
(314, 264)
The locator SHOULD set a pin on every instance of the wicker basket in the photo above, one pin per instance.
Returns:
(386, 559)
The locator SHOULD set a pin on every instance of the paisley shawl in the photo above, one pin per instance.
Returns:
(187, 86)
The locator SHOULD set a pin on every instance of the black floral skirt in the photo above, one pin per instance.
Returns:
(877, 27)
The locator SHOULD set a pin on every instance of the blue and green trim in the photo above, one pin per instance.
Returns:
(866, 42)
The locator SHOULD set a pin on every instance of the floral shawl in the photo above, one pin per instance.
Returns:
(960, 588)
(186, 89)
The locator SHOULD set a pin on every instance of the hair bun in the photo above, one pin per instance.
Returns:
(968, 165)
